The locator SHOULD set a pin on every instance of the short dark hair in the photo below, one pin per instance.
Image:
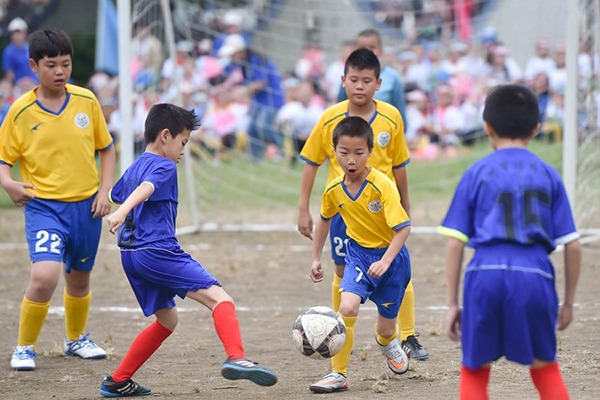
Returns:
(363, 59)
(512, 111)
(353, 127)
(49, 42)
(368, 33)
(168, 116)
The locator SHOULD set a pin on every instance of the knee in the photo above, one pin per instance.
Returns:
(348, 311)
(386, 331)
(169, 321)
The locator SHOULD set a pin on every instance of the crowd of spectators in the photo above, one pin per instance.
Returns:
(247, 105)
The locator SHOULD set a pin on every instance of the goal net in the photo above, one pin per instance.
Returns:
(223, 188)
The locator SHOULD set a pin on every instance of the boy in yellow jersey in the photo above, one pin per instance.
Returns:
(377, 261)
(390, 156)
(54, 131)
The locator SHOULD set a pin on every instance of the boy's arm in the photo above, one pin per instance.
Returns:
(401, 177)
(305, 223)
(321, 230)
(378, 268)
(454, 259)
(572, 269)
(138, 196)
(16, 190)
(101, 204)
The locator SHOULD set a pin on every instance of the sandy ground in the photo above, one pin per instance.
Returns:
(267, 274)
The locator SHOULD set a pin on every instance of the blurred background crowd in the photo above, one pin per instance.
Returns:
(249, 105)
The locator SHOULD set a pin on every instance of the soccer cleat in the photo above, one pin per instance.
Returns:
(333, 382)
(23, 358)
(128, 388)
(240, 368)
(84, 347)
(414, 349)
(396, 357)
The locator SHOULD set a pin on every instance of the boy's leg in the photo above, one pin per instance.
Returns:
(144, 345)
(120, 384)
(548, 381)
(406, 324)
(77, 299)
(387, 338)
(336, 296)
(228, 329)
(34, 309)
(336, 381)
(474, 383)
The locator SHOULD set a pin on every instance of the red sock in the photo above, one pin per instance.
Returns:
(143, 346)
(549, 382)
(474, 383)
(228, 329)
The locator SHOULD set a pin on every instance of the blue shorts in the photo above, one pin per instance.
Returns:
(338, 239)
(158, 275)
(386, 292)
(510, 307)
(63, 232)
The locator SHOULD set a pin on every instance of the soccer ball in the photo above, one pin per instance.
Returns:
(319, 332)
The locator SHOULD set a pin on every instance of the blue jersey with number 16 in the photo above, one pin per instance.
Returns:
(510, 196)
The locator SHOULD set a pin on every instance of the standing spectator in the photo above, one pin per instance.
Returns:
(15, 57)
(147, 57)
(392, 89)
(233, 23)
(6, 98)
(259, 74)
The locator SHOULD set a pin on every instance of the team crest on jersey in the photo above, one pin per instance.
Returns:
(82, 120)
(375, 206)
(383, 139)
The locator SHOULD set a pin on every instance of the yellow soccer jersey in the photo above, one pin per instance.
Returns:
(56, 150)
(372, 215)
(390, 149)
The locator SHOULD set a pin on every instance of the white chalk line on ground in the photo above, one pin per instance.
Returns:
(55, 310)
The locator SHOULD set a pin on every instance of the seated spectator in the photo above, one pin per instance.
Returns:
(448, 120)
(541, 62)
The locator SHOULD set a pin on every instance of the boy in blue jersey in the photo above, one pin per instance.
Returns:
(54, 131)
(377, 261)
(156, 266)
(512, 208)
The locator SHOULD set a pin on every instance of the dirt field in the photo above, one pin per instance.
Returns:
(267, 274)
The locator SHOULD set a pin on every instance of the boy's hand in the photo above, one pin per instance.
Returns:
(453, 323)
(100, 205)
(565, 316)
(115, 220)
(316, 271)
(377, 269)
(305, 224)
(18, 193)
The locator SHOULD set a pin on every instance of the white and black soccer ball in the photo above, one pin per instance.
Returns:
(319, 332)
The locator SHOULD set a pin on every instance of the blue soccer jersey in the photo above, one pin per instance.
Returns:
(511, 196)
(513, 209)
(152, 223)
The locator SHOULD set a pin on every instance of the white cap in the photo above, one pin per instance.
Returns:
(185, 46)
(17, 24)
(233, 18)
(232, 44)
